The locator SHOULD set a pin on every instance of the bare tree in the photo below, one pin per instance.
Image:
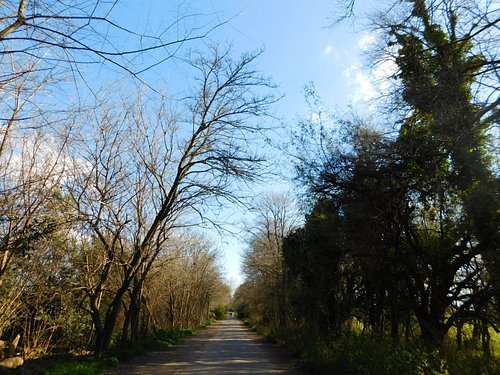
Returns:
(276, 217)
(30, 176)
(45, 45)
(185, 284)
(143, 173)
(71, 34)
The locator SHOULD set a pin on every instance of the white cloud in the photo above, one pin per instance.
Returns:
(331, 52)
(360, 81)
(367, 40)
(368, 85)
(383, 72)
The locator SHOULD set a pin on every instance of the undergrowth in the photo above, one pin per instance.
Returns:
(77, 368)
(364, 354)
(160, 340)
(355, 353)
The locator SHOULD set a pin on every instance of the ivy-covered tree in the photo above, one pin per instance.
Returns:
(445, 75)
(418, 211)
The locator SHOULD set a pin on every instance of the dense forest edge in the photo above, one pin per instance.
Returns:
(385, 259)
(395, 268)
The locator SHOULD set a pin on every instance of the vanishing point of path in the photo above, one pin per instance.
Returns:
(225, 347)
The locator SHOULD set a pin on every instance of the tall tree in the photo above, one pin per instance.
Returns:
(46, 50)
(131, 192)
(446, 75)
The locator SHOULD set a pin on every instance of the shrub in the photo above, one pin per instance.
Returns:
(359, 354)
(472, 362)
(173, 335)
(219, 312)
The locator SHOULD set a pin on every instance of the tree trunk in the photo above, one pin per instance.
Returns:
(459, 336)
(135, 311)
(130, 330)
(105, 331)
(432, 331)
(485, 340)
(394, 319)
(126, 325)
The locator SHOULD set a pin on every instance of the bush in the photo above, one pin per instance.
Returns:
(173, 335)
(472, 363)
(219, 312)
(358, 354)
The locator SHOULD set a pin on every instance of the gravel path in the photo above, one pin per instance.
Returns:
(226, 347)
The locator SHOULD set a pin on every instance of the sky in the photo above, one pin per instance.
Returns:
(298, 47)
(298, 44)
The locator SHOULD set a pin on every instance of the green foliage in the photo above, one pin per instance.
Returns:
(402, 233)
(161, 339)
(78, 368)
(353, 354)
(472, 363)
(219, 312)
(172, 336)
(402, 226)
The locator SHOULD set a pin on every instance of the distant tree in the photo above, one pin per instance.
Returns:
(185, 285)
(314, 270)
(275, 217)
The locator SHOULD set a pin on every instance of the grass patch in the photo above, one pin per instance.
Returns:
(472, 363)
(355, 353)
(159, 340)
(173, 336)
(78, 368)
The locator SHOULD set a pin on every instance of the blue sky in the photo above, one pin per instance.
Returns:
(299, 48)
(298, 45)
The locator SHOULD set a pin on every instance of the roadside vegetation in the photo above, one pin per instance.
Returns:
(60, 364)
(106, 191)
(394, 269)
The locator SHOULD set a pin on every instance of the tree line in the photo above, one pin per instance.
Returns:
(401, 237)
(99, 195)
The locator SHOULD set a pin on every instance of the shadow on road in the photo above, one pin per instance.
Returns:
(226, 347)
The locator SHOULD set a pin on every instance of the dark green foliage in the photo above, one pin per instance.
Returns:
(172, 336)
(314, 262)
(405, 228)
(355, 354)
(438, 70)
(472, 363)
(401, 243)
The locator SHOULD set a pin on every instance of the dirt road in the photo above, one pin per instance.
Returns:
(226, 347)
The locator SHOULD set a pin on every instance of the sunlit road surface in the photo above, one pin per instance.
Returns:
(226, 347)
